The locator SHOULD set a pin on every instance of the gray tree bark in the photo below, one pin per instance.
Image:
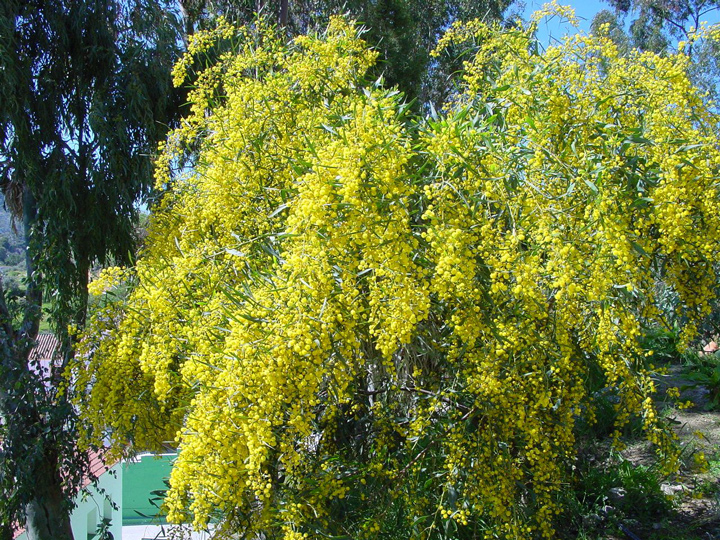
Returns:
(46, 514)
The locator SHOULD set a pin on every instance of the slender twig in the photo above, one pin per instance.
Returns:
(414, 389)
(433, 441)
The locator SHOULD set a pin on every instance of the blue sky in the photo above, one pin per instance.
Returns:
(585, 10)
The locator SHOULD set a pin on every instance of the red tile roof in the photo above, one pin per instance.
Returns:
(97, 467)
(43, 354)
(45, 347)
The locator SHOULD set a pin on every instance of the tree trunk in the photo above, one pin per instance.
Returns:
(47, 514)
(283, 12)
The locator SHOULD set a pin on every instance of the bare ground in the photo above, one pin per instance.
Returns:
(695, 489)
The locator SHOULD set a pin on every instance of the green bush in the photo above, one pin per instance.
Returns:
(608, 493)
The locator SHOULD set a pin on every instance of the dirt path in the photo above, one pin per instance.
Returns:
(695, 489)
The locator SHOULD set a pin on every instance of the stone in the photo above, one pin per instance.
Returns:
(671, 489)
(616, 494)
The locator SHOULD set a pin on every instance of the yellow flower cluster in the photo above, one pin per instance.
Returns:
(563, 181)
(347, 321)
(269, 267)
(108, 279)
(553, 9)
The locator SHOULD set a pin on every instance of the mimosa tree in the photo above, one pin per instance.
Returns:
(355, 323)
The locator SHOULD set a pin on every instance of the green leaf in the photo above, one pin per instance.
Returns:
(639, 249)
(278, 210)
(591, 185)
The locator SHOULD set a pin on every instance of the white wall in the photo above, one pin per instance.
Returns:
(94, 504)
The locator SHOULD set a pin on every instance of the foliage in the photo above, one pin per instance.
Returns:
(605, 494)
(657, 22)
(356, 323)
(402, 31)
(664, 25)
(75, 123)
(85, 94)
(663, 345)
(12, 248)
(704, 371)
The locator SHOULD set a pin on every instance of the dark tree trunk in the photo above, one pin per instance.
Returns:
(47, 511)
(283, 12)
(47, 514)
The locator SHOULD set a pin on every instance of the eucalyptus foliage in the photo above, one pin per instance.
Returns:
(85, 95)
(662, 26)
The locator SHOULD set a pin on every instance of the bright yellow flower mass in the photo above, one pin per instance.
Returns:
(352, 322)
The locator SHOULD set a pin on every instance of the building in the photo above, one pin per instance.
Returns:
(126, 499)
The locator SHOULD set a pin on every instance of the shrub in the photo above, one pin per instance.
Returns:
(355, 323)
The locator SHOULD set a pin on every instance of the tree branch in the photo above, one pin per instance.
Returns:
(434, 440)
(414, 389)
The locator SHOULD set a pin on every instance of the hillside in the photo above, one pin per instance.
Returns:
(12, 250)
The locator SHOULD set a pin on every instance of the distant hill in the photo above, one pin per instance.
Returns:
(12, 250)
(6, 219)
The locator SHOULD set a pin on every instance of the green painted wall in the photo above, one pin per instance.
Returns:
(141, 477)
(96, 503)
